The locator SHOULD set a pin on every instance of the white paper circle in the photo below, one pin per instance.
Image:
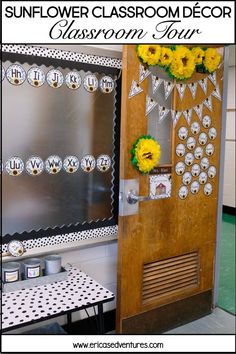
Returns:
(202, 139)
(88, 163)
(53, 164)
(195, 170)
(14, 166)
(189, 159)
(180, 168)
(191, 143)
(195, 187)
(212, 133)
(73, 80)
(198, 153)
(36, 76)
(103, 163)
(207, 189)
(183, 192)
(90, 83)
(204, 163)
(202, 178)
(195, 128)
(3, 73)
(55, 78)
(183, 133)
(71, 164)
(180, 150)
(106, 84)
(206, 121)
(211, 172)
(16, 74)
(187, 178)
(210, 149)
(34, 166)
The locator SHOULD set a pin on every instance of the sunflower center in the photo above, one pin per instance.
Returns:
(166, 56)
(184, 61)
(147, 155)
(152, 50)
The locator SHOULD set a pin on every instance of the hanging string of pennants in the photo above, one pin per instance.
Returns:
(163, 111)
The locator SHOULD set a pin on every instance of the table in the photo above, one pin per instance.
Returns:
(39, 303)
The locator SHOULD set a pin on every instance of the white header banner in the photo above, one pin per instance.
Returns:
(117, 22)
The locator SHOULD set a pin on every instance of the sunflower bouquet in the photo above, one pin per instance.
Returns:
(179, 61)
(145, 154)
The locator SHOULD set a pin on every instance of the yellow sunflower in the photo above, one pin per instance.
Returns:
(198, 55)
(148, 154)
(150, 54)
(166, 56)
(183, 63)
(212, 59)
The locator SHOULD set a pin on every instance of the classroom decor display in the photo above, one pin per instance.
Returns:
(179, 61)
(135, 89)
(73, 80)
(90, 83)
(53, 164)
(16, 74)
(34, 166)
(145, 154)
(54, 78)
(160, 186)
(103, 163)
(14, 166)
(88, 163)
(106, 84)
(71, 164)
(35, 76)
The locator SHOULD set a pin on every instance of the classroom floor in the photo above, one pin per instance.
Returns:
(226, 299)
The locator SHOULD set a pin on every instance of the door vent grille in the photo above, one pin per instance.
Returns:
(169, 276)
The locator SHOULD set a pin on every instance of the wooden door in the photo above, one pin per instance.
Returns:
(166, 251)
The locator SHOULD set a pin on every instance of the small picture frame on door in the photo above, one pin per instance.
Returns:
(160, 186)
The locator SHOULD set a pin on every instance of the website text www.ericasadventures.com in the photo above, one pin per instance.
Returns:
(118, 345)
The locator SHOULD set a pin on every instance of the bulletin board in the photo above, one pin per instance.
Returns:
(60, 128)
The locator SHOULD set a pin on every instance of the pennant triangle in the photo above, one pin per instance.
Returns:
(156, 81)
(175, 115)
(168, 86)
(198, 110)
(203, 84)
(216, 93)
(163, 111)
(150, 104)
(181, 89)
(135, 89)
(212, 78)
(193, 89)
(208, 103)
(188, 115)
(143, 73)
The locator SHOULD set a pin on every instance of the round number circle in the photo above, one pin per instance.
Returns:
(73, 80)
(88, 163)
(15, 248)
(212, 133)
(191, 143)
(53, 164)
(202, 178)
(204, 163)
(189, 159)
(14, 166)
(195, 128)
(195, 170)
(103, 163)
(180, 150)
(34, 166)
(183, 133)
(210, 149)
(198, 153)
(90, 83)
(180, 168)
(195, 187)
(35, 77)
(202, 139)
(55, 78)
(16, 74)
(106, 84)
(187, 178)
(71, 164)
(207, 189)
(211, 172)
(206, 121)
(183, 192)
